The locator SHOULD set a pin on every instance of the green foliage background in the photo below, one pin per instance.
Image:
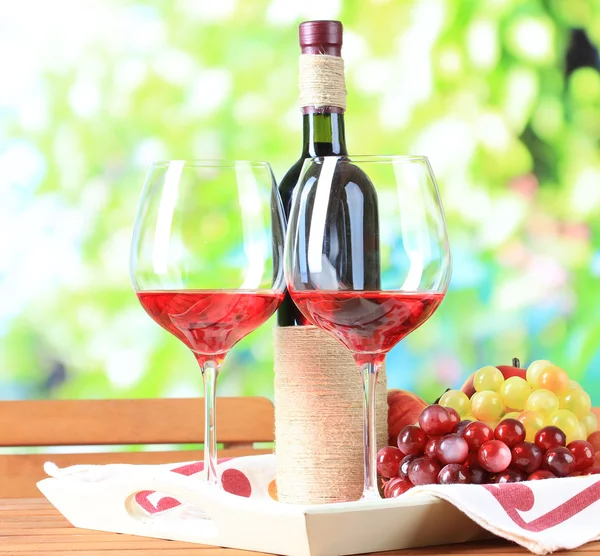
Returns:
(94, 91)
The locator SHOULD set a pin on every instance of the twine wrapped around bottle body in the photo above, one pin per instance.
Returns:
(319, 418)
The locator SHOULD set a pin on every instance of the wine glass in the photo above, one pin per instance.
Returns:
(207, 261)
(367, 260)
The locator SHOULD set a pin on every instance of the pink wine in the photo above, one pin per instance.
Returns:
(210, 322)
(367, 322)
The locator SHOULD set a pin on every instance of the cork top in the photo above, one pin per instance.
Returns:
(321, 37)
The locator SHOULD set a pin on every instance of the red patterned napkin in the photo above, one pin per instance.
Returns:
(543, 516)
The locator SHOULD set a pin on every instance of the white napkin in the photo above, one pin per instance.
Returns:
(543, 516)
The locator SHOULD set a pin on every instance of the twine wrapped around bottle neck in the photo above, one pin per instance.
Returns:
(319, 418)
(322, 81)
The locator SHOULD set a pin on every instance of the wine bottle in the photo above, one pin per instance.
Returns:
(323, 103)
(315, 375)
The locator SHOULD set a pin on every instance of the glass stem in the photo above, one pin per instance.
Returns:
(210, 372)
(369, 373)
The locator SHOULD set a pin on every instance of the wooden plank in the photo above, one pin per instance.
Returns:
(193, 550)
(140, 421)
(141, 544)
(492, 546)
(73, 536)
(20, 473)
(46, 529)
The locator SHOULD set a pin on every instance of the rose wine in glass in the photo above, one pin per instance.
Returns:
(326, 262)
(206, 261)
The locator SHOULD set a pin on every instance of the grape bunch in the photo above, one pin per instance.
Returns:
(444, 449)
(542, 396)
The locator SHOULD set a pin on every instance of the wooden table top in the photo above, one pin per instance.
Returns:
(32, 526)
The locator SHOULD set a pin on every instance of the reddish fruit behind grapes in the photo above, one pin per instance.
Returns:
(404, 408)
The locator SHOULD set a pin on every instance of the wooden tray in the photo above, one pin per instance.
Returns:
(214, 517)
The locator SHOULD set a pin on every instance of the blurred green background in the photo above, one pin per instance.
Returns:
(502, 95)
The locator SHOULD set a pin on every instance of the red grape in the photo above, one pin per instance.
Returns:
(472, 460)
(574, 474)
(412, 440)
(479, 476)
(388, 461)
(423, 471)
(594, 440)
(435, 420)
(510, 476)
(431, 446)
(403, 469)
(454, 473)
(452, 449)
(477, 434)
(541, 474)
(597, 458)
(454, 416)
(583, 453)
(510, 431)
(550, 437)
(595, 470)
(526, 456)
(461, 426)
(387, 485)
(494, 456)
(559, 460)
(398, 488)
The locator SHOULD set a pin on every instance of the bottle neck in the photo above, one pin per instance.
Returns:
(324, 134)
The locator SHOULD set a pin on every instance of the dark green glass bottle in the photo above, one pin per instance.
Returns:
(324, 135)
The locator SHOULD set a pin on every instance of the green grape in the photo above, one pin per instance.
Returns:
(578, 401)
(458, 400)
(515, 392)
(534, 370)
(512, 415)
(542, 401)
(566, 421)
(468, 417)
(591, 423)
(553, 378)
(488, 378)
(582, 435)
(533, 422)
(573, 385)
(487, 406)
